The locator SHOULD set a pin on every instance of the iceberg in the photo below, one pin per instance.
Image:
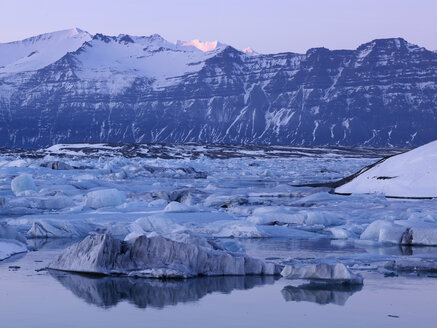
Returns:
(23, 185)
(104, 198)
(413, 264)
(155, 257)
(176, 207)
(60, 229)
(57, 165)
(333, 273)
(402, 232)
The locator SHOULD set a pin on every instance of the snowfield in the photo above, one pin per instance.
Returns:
(238, 199)
(412, 174)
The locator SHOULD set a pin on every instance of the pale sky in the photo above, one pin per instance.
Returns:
(267, 26)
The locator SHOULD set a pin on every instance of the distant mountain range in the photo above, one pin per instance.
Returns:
(70, 86)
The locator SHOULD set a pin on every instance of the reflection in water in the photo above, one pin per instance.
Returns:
(108, 291)
(320, 293)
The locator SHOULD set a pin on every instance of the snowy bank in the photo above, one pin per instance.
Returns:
(412, 174)
(155, 257)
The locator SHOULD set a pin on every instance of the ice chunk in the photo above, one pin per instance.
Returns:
(225, 201)
(335, 273)
(9, 247)
(8, 232)
(23, 185)
(232, 229)
(57, 165)
(157, 257)
(60, 229)
(402, 232)
(56, 202)
(424, 234)
(412, 264)
(158, 203)
(340, 233)
(179, 208)
(273, 215)
(104, 198)
(383, 231)
(156, 224)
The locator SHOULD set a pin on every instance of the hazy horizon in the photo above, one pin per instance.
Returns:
(294, 26)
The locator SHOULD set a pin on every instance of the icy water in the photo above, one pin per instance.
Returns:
(29, 298)
(244, 199)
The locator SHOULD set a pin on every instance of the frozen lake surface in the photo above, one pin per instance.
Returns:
(244, 199)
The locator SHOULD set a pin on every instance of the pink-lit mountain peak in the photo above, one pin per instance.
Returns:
(201, 45)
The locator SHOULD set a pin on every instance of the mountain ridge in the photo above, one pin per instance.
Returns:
(146, 89)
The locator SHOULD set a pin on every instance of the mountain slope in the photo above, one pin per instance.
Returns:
(145, 89)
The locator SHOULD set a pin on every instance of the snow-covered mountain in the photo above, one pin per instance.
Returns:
(81, 88)
(39, 51)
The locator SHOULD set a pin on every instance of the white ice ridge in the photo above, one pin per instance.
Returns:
(155, 257)
(336, 273)
(412, 174)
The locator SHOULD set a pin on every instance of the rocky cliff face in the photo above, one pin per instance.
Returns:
(145, 89)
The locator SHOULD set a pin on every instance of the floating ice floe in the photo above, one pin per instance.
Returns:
(333, 273)
(280, 215)
(11, 241)
(23, 185)
(105, 198)
(42, 203)
(413, 264)
(412, 174)
(179, 208)
(60, 229)
(156, 257)
(57, 165)
(402, 232)
(9, 232)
